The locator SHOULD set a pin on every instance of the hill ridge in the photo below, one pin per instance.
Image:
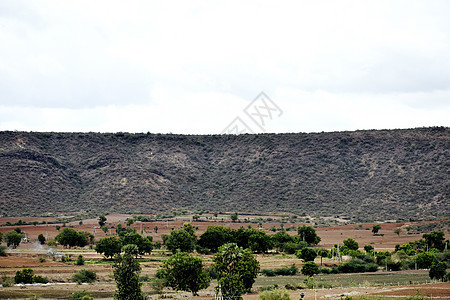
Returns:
(364, 174)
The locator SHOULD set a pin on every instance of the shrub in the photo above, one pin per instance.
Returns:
(39, 279)
(276, 294)
(325, 271)
(292, 247)
(357, 266)
(268, 272)
(84, 276)
(293, 270)
(52, 244)
(81, 295)
(80, 260)
(7, 281)
(41, 259)
(3, 251)
(309, 268)
(24, 276)
(41, 239)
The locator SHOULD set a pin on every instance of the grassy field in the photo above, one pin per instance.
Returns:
(381, 283)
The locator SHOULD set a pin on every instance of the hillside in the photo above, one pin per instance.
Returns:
(365, 175)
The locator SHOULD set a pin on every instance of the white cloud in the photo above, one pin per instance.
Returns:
(191, 67)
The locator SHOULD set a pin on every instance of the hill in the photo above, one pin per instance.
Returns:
(364, 175)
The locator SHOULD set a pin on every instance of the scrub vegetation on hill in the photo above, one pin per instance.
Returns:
(362, 175)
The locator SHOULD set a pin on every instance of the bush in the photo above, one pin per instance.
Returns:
(357, 266)
(7, 281)
(292, 247)
(310, 268)
(41, 259)
(268, 272)
(24, 276)
(325, 271)
(3, 251)
(41, 239)
(82, 295)
(85, 276)
(276, 294)
(52, 244)
(293, 270)
(80, 260)
(39, 279)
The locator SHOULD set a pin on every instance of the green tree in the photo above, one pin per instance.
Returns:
(309, 268)
(437, 270)
(121, 231)
(102, 220)
(308, 234)
(105, 228)
(180, 239)
(185, 272)
(130, 222)
(109, 246)
(41, 239)
(144, 244)
(70, 237)
(155, 229)
(435, 239)
(280, 238)
(236, 270)
(1, 237)
(307, 254)
(397, 231)
(259, 241)
(291, 247)
(234, 217)
(425, 260)
(351, 244)
(214, 237)
(189, 228)
(12, 238)
(376, 228)
(368, 248)
(126, 275)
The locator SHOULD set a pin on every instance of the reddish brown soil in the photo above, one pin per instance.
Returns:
(436, 291)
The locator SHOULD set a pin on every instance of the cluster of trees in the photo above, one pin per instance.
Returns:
(112, 245)
(430, 252)
(258, 241)
(69, 237)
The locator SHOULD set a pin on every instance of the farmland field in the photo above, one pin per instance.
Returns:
(380, 284)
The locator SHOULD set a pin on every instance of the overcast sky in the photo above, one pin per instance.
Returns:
(196, 67)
